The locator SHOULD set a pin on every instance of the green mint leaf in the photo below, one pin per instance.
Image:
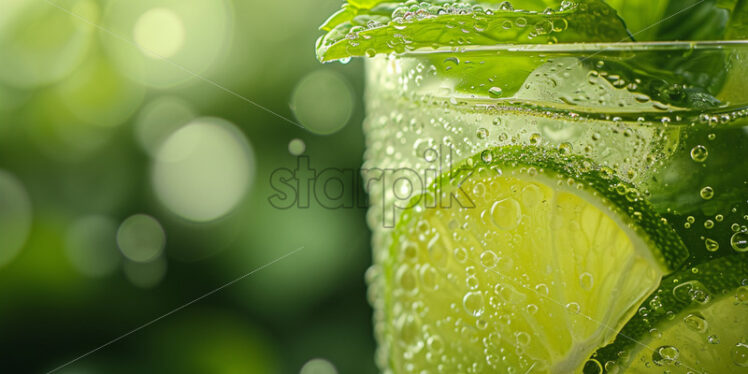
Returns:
(401, 27)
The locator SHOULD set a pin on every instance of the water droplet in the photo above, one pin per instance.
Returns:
(495, 92)
(695, 322)
(482, 133)
(665, 355)
(506, 6)
(535, 138)
(692, 291)
(739, 241)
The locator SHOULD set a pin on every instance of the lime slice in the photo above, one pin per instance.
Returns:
(539, 259)
(696, 322)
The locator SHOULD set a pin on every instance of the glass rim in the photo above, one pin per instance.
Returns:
(587, 47)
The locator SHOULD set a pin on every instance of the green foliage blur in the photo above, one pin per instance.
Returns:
(135, 164)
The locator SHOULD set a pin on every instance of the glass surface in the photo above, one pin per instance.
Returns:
(668, 119)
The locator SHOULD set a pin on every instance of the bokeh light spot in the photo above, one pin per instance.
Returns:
(158, 119)
(91, 246)
(41, 44)
(141, 238)
(296, 147)
(15, 217)
(323, 102)
(145, 274)
(203, 170)
(190, 34)
(159, 33)
(318, 366)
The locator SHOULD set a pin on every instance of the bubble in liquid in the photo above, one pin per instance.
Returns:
(739, 354)
(739, 241)
(506, 213)
(586, 281)
(489, 259)
(741, 295)
(707, 193)
(473, 303)
(712, 339)
(711, 245)
(699, 153)
(593, 366)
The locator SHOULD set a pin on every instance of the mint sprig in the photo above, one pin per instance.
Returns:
(370, 27)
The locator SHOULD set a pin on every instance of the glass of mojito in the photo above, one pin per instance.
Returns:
(549, 195)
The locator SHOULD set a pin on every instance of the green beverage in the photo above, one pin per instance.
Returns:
(548, 195)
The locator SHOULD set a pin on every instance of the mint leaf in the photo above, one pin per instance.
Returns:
(737, 29)
(401, 27)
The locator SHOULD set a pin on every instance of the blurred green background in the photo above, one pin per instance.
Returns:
(130, 185)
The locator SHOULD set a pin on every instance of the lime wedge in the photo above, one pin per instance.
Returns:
(539, 260)
(696, 322)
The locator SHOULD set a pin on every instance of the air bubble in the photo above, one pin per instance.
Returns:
(474, 304)
(707, 193)
(586, 281)
(711, 245)
(699, 153)
(739, 354)
(489, 259)
(739, 241)
(506, 213)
